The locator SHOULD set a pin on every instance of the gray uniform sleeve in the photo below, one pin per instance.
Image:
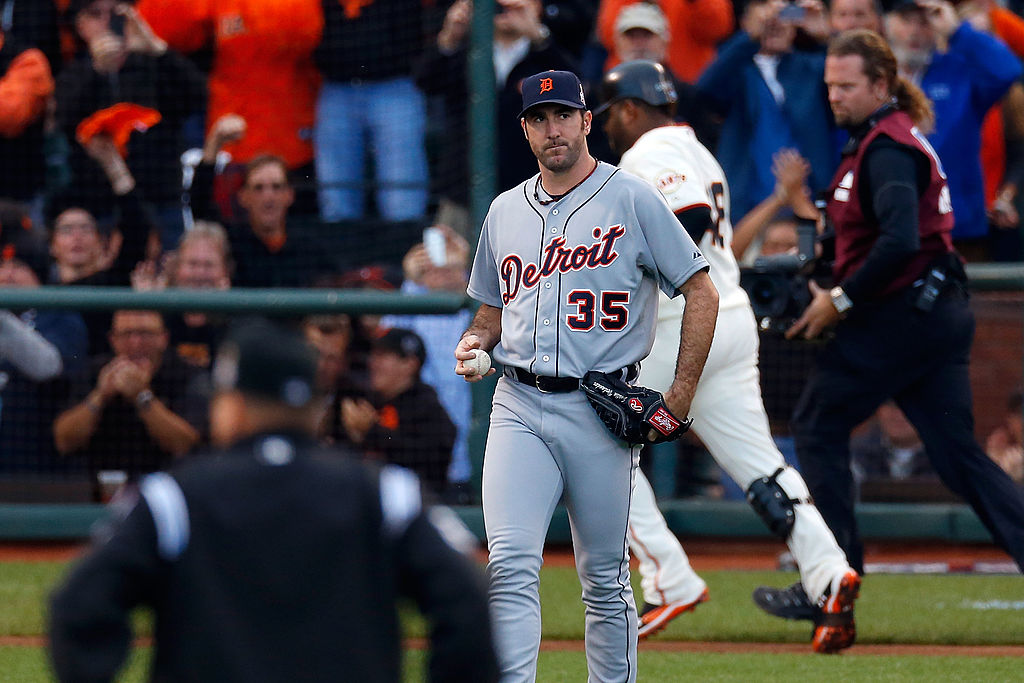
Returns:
(483, 280)
(27, 350)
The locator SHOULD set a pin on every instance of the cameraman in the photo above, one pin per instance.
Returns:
(903, 324)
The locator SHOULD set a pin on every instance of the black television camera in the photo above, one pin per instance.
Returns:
(778, 285)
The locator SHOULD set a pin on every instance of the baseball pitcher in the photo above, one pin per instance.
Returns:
(567, 272)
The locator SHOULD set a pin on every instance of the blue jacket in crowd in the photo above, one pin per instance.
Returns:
(756, 127)
(963, 83)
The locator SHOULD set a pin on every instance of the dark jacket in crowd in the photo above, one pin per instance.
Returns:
(296, 263)
(380, 42)
(446, 75)
(171, 84)
(278, 560)
(121, 440)
(133, 220)
(413, 431)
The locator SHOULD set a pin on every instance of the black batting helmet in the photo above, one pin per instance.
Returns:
(642, 80)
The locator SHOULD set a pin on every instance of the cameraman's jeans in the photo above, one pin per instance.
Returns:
(387, 117)
(919, 359)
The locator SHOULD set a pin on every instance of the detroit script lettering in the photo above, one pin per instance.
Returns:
(557, 257)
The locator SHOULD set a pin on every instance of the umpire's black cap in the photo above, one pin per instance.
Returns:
(558, 87)
(263, 359)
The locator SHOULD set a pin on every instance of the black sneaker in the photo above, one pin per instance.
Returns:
(787, 603)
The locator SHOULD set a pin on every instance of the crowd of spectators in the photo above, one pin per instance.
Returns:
(309, 121)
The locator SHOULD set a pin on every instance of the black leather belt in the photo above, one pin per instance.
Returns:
(561, 385)
(549, 385)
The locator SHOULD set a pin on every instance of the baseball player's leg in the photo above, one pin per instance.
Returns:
(730, 419)
(521, 486)
(665, 571)
(598, 484)
(822, 420)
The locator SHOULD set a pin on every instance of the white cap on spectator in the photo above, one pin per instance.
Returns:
(642, 15)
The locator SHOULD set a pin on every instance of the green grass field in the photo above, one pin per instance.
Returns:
(945, 610)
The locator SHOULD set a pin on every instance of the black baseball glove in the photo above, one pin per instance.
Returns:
(633, 414)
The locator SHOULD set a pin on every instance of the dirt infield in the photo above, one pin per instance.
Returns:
(701, 647)
(706, 554)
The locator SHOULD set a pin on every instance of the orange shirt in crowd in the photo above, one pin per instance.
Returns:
(262, 67)
(696, 26)
(24, 90)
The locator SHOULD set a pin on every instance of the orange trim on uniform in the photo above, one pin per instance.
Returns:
(691, 206)
(657, 567)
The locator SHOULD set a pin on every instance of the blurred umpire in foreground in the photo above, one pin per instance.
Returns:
(903, 327)
(275, 559)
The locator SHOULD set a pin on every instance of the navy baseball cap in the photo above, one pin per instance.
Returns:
(557, 87)
(260, 358)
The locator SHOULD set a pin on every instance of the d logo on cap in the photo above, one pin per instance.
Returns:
(546, 84)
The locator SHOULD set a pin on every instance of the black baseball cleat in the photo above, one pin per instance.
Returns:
(787, 603)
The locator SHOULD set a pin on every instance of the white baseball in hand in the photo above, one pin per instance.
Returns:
(481, 362)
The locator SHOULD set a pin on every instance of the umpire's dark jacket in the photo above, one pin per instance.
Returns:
(277, 561)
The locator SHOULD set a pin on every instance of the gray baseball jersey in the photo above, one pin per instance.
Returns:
(577, 280)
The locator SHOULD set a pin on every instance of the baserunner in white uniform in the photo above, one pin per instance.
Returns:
(638, 106)
(567, 273)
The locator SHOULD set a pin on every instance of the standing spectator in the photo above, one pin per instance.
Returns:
(772, 98)
(641, 32)
(401, 422)
(439, 333)
(129, 65)
(88, 253)
(262, 70)
(903, 325)
(26, 87)
(276, 560)
(201, 261)
(522, 46)
(39, 351)
(1002, 136)
(369, 103)
(266, 251)
(136, 411)
(695, 27)
(964, 72)
(846, 15)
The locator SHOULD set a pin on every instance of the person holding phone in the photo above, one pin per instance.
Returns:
(439, 264)
(121, 60)
(771, 97)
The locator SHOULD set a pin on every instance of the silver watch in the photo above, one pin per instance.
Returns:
(840, 300)
(143, 399)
